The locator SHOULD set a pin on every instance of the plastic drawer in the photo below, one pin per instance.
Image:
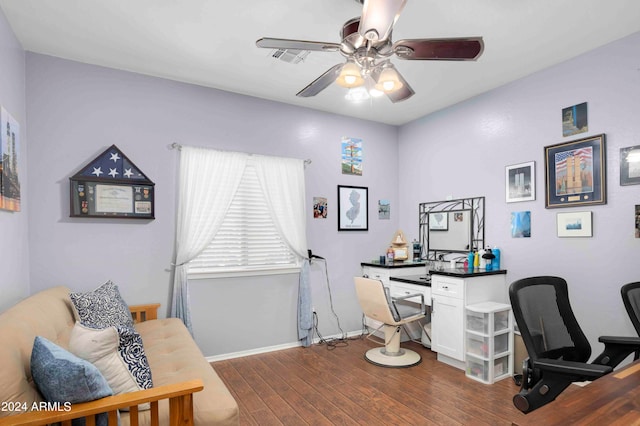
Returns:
(500, 367)
(477, 369)
(501, 343)
(501, 321)
(478, 322)
(477, 345)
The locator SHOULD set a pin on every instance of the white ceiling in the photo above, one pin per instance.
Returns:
(212, 43)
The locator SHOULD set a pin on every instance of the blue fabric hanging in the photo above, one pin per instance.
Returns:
(305, 312)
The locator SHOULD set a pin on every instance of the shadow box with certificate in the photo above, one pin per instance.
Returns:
(111, 186)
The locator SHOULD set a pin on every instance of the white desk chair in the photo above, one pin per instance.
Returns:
(377, 305)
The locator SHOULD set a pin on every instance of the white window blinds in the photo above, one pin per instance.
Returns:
(248, 239)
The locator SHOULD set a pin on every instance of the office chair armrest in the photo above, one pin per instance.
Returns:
(408, 296)
(616, 349)
(580, 369)
(620, 340)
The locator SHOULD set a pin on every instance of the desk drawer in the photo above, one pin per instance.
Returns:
(376, 274)
(446, 286)
(399, 290)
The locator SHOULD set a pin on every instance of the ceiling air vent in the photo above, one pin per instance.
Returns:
(291, 56)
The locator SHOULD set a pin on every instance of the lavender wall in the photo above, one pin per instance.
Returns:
(14, 250)
(463, 150)
(77, 110)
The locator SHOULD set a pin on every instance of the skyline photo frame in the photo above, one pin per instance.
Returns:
(574, 224)
(576, 173)
(520, 182)
(353, 208)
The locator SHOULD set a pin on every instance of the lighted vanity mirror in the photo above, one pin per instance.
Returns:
(451, 226)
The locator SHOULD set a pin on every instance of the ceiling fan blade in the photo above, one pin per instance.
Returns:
(321, 83)
(440, 49)
(285, 43)
(378, 17)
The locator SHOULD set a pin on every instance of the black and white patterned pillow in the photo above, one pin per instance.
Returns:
(102, 307)
(133, 355)
(118, 353)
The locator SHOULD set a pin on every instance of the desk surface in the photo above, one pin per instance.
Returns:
(467, 272)
(612, 400)
(395, 265)
(424, 280)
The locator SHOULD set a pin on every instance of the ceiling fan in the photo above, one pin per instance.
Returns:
(367, 46)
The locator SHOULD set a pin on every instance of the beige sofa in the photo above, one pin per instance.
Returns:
(177, 365)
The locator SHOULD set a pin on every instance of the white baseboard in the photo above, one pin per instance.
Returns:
(266, 349)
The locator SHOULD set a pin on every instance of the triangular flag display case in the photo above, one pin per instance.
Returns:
(111, 186)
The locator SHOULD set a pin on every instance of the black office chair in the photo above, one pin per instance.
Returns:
(558, 349)
(631, 299)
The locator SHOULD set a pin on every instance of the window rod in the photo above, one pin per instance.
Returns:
(177, 146)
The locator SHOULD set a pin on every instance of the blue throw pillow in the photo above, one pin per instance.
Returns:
(63, 377)
(101, 308)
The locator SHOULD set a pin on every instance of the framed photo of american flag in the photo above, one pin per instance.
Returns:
(576, 173)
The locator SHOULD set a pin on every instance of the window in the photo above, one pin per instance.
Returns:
(248, 240)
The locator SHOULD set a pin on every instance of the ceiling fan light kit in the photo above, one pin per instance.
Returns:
(366, 44)
(388, 81)
(350, 75)
(357, 94)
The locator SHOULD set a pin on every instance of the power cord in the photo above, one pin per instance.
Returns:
(334, 342)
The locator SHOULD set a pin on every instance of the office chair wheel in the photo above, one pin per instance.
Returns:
(521, 403)
(517, 379)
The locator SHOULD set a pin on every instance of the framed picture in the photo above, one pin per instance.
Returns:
(520, 182)
(439, 221)
(574, 119)
(521, 224)
(575, 173)
(353, 211)
(574, 224)
(630, 165)
(111, 186)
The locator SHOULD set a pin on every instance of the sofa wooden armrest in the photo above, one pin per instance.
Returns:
(180, 396)
(146, 312)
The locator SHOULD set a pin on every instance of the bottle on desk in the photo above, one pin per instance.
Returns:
(496, 260)
(390, 255)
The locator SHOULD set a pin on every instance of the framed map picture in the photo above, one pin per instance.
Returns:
(353, 212)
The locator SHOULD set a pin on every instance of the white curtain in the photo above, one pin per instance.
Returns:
(282, 182)
(202, 206)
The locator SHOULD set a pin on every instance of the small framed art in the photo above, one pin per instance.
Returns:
(439, 221)
(630, 165)
(576, 173)
(574, 224)
(574, 119)
(520, 182)
(353, 211)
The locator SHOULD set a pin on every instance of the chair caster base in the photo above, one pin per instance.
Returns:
(521, 403)
(405, 358)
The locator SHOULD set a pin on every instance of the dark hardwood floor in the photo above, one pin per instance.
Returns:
(322, 387)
